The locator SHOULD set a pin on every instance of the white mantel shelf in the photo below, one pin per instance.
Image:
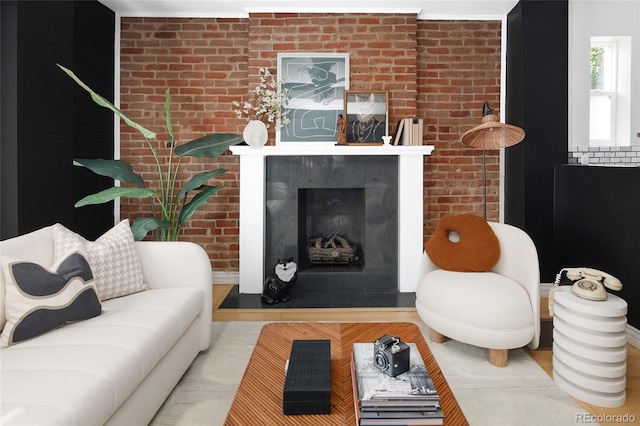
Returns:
(333, 150)
(253, 209)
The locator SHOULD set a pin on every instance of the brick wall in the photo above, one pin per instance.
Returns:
(382, 49)
(458, 69)
(204, 62)
(442, 71)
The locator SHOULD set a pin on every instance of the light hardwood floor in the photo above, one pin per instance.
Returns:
(542, 357)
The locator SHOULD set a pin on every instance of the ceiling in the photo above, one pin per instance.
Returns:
(424, 9)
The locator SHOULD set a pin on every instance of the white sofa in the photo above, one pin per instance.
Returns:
(118, 367)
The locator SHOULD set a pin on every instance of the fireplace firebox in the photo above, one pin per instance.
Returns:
(331, 228)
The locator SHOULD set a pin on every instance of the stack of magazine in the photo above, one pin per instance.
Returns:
(407, 399)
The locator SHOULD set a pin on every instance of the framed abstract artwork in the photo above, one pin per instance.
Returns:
(316, 83)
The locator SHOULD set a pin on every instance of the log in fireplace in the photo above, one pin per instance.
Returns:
(331, 249)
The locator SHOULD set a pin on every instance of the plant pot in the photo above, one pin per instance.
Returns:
(255, 134)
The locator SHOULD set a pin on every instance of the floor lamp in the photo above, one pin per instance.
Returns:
(491, 134)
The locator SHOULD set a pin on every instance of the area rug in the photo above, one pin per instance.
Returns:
(520, 394)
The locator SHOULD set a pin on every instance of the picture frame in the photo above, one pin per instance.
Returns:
(316, 82)
(366, 115)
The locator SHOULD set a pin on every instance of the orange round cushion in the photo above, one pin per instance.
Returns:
(478, 249)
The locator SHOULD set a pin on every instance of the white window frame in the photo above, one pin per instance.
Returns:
(612, 93)
(621, 101)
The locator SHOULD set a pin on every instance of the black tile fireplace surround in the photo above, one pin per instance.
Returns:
(356, 197)
(316, 196)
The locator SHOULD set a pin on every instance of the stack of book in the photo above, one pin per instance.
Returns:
(409, 131)
(407, 399)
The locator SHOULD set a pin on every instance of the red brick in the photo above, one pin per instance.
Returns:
(439, 70)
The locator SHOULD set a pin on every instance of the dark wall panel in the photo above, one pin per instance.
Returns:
(537, 100)
(514, 211)
(93, 125)
(48, 121)
(45, 119)
(8, 118)
(596, 225)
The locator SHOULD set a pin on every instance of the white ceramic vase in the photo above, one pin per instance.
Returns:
(255, 134)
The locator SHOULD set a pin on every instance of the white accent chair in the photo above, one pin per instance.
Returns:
(498, 309)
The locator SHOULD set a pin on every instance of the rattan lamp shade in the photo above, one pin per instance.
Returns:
(492, 134)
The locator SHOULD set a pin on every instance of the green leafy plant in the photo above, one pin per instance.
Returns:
(171, 207)
(596, 60)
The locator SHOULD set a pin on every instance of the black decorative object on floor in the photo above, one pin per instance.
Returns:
(277, 285)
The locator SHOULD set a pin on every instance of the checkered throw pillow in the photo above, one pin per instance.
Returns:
(113, 258)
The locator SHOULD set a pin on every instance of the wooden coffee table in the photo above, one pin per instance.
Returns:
(259, 396)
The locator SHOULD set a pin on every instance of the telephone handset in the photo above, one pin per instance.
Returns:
(587, 283)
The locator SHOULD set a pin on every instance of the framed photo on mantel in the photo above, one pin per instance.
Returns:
(366, 115)
(316, 83)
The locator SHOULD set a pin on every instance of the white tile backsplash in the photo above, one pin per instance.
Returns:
(615, 156)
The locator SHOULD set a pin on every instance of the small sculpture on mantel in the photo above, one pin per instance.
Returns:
(277, 285)
(342, 130)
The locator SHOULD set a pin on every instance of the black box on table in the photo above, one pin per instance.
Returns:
(307, 387)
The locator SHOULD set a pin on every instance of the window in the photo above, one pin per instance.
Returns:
(609, 71)
(602, 112)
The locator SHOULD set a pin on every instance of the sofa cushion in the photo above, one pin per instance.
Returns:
(40, 299)
(81, 373)
(113, 258)
(476, 250)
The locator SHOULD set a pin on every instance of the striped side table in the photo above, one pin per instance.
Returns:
(589, 348)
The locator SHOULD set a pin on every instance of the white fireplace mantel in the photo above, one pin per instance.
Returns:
(252, 206)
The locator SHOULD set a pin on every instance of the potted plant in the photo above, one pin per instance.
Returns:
(171, 206)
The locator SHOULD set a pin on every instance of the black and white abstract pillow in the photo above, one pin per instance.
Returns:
(40, 299)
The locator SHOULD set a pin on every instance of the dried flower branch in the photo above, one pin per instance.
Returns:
(269, 103)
